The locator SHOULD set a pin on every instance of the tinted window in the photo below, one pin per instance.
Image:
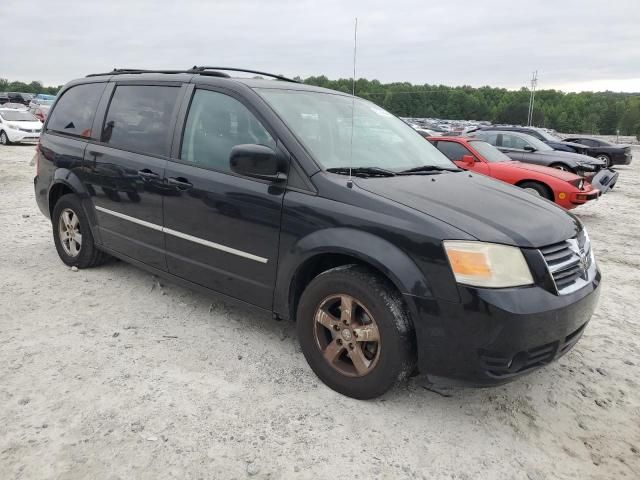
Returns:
(585, 141)
(489, 137)
(511, 141)
(454, 151)
(75, 110)
(215, 124)
(139, 118)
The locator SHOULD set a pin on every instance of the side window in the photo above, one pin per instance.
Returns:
(139, 118)
(588, 143)
(453, 151)
(511, 141)
(216, 123)
(489, 137)
(75, 110)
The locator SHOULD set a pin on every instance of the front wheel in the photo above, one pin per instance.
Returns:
(355, 332)
(72, 235)
(4, 139)
(538, 189)
(563, 167)
(605, 159)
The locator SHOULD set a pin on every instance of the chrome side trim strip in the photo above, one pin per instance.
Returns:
(216, 246)
(153, 226)
(184, 236)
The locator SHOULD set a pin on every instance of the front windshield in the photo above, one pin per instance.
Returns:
(18, 116)
(547, 136)
(538, 144)
(323, 123)
(489, 152)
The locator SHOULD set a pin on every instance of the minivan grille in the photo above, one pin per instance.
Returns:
(568, 262)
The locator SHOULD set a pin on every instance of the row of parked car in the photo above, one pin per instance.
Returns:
(22, 116)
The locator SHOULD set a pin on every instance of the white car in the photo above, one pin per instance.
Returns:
(18, 126)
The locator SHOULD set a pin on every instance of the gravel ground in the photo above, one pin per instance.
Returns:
(109, 373)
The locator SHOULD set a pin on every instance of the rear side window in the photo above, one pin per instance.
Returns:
(139, 118)
(452, 150)
(75, 110)
(217, 123)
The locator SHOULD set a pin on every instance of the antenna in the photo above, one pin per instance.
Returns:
(353, 99)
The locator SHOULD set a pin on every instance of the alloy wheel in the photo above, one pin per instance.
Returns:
(347, 335)
(532, 191)
(3, 138)
(69, 232)
(605, 159)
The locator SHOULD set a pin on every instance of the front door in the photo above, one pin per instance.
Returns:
(221, 229)
(124, 172)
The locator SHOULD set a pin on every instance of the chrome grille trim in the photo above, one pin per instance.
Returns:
(569, 263)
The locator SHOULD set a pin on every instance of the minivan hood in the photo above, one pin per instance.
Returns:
(487, 209)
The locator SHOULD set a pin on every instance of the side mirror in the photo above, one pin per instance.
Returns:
(468, 160)
(529, 148)
(257, 161)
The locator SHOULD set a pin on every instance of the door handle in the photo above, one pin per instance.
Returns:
(180, 182)
(146, 173)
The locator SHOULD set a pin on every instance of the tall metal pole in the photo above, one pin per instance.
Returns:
(534, 84)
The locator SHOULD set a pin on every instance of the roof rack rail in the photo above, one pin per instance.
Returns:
(199, 69)
(195, 70)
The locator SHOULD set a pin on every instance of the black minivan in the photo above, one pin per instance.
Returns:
(322, 208)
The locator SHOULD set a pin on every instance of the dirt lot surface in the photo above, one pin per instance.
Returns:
(108, 373)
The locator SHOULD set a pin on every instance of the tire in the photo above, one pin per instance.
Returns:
(563, 166)
(606, 159)
(4, 139)
(68, 215)
(537, 188)
(379, 312)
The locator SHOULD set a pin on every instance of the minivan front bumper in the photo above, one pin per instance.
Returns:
(495, 335)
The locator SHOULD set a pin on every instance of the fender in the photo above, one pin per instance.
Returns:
(70, 179)
(365, 246)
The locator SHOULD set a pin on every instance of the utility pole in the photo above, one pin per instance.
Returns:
(534, 84)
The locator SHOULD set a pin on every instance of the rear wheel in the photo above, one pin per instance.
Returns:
(354, 332)
(605, 158)
(4, 139)
(72, 235)
(536, 188)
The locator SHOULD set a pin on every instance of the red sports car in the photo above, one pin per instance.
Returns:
(564, 188)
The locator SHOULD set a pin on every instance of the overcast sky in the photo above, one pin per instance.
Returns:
(574, 45)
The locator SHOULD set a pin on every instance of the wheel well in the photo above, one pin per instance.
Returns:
(313, 267)
(542, 184)
(57, 191)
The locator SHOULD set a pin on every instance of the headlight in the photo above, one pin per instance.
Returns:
(581, 184)
(12, 126)
(488, 265)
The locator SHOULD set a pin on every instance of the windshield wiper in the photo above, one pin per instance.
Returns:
(428, 168)
(363, 171)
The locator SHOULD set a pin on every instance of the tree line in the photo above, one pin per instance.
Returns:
(586, 112)
(33, 87)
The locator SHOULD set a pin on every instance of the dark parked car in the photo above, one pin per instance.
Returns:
(609, 153)
(390, 259)
(544, 136)
(19, 97)
(4, 98)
